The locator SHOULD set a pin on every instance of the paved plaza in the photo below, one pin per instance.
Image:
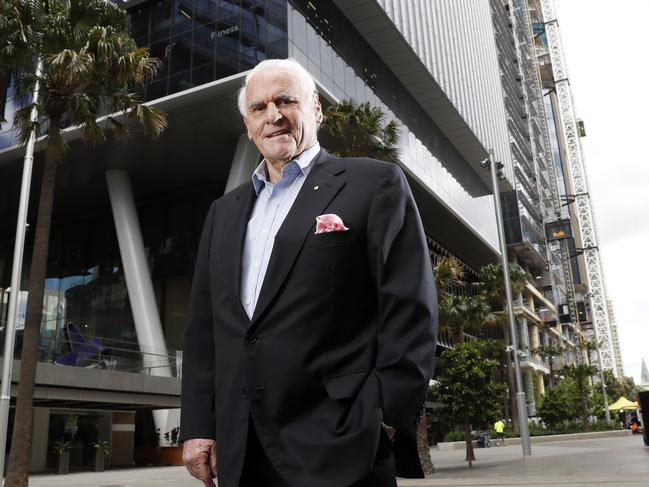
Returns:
(619, 461)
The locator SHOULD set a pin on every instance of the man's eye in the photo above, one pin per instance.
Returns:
(285, 101)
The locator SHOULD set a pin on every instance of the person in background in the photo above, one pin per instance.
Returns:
(499, 429)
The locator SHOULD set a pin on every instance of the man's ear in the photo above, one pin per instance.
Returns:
(245, 122)
(318, 108)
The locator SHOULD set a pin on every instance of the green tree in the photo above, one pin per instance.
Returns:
(491, 284)
(588, 347)
(458, 313)
(560, 404)
(614, 388)
(448, 273)
(467, 389)
(360, 130)
(461, 314)
(90, 66)
(630, 388)
(581, 375)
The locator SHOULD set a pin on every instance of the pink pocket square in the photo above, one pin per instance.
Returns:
(329, 223)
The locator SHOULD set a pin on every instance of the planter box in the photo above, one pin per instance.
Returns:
(171, 455)
(63, 465)
(99, 461)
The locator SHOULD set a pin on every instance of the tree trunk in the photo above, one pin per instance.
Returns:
(582, 406)
(458, 334)
(423, 450)
(19, 458)
(469, 444)
(551, 376)
(511, 382)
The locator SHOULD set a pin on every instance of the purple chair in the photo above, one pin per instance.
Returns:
(82, 351)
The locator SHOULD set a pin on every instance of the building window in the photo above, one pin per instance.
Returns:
(199, 41)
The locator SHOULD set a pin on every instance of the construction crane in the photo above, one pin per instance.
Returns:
(582, 201)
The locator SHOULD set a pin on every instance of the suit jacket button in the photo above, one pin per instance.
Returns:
(251, 337)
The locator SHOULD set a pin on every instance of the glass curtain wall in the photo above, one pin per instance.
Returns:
(86, 286)
(199, 41)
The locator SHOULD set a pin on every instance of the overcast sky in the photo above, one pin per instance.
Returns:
(606, 49)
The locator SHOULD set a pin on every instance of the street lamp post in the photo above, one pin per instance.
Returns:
(16, 272)
(520, 395)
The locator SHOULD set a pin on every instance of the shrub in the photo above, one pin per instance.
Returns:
(602, 425)
(560, 404)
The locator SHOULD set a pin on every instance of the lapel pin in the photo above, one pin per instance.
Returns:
(316, 188)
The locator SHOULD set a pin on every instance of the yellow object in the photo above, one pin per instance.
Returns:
(499, 427)
(623, 403)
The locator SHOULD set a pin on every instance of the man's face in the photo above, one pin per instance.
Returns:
(282, 116)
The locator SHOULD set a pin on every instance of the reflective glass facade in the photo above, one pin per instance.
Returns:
(86, 285)
(199, 41)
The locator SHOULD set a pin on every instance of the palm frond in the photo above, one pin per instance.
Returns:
(76, 64)
(360, 130)
(23, 124)
(119, 129)
(152, 120)
(91, 65)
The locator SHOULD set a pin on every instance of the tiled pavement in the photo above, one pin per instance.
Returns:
(619, 462)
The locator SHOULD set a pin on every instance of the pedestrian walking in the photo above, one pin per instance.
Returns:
(499, 429)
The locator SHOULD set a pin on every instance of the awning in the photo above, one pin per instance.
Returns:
(623, 403)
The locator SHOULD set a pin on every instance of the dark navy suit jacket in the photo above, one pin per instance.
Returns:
(342, 338)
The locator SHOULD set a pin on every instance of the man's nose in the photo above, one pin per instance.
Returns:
(272, 113)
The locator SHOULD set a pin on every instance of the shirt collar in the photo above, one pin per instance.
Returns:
(303, 161)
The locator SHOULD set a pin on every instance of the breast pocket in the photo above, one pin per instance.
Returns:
(327, 239)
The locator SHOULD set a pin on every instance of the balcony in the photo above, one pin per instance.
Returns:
(535, 364)
(528, 254)
(94, 388)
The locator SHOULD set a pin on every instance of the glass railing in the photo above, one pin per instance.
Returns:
(104, 353)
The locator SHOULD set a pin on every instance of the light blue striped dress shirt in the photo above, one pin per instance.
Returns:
(273, 204)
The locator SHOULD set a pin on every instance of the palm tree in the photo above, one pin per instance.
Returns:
(582, 374)
(359, 130)
(492, 286)
(588, 347)
(461, 314)
(448, 273)
(90, 65)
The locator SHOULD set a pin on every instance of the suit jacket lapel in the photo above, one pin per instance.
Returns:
(234, 232)
(300, 220)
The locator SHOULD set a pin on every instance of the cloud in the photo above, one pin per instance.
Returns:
(626, 276)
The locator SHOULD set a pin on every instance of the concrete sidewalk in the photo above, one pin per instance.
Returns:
(619, 461)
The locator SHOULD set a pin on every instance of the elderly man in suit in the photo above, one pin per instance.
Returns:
(313, 317)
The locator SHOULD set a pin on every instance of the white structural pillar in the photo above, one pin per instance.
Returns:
(138, 283)
(244, 162)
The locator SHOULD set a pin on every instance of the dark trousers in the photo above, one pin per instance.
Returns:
(259, 472)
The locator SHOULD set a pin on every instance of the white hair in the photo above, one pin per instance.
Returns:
(304, 77)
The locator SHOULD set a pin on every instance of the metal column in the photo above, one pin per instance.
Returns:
(244, 162)
(138, 283)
